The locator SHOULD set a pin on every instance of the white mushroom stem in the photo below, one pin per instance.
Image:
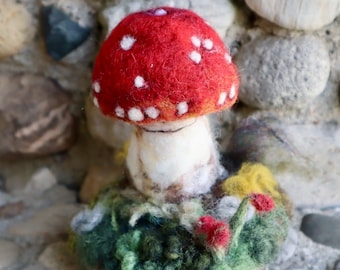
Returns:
(172, 160)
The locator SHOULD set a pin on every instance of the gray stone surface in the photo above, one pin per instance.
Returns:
(322, 229)
(282, 72)
(308, 256)
(302, 157)
(46, 225)
(34, 116)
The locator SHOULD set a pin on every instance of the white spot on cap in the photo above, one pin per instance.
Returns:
(139, 81)
(96, 87)
(95, 102)
(208, 44)
(182, 108)
(195, 56)
(232, 92)
(196, 41)
(120, 112)
(135, 114)
(160, 12)
(127, 42)
(152, 112)
(227, 57)
(222, 98)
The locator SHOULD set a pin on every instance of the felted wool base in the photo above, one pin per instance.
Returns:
(124, 230)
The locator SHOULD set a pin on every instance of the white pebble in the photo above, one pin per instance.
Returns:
(135, 114)
(152, 112)
(96, 87)
(95, 102)
(127, 42)
(195, 56)
(139, 81)
(208, 44)
(232, 92)
(227, 57)
(222, 98)
(182, 108)
(120, 112)
(160, 12)
(196, 41)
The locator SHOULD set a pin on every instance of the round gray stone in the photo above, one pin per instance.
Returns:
(322, 229)
(279, 73)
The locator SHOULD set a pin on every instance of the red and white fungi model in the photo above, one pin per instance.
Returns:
(163, 70)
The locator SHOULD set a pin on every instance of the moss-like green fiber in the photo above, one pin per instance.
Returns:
(162, 243)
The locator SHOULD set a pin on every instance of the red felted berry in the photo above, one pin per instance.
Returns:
(219, 235)
(262, 202)
(205, 224)
(163, 64)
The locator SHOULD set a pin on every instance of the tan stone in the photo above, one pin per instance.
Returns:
(16, 27)
(9, 252)
(58, 256)
(96, 179)
(47, 225)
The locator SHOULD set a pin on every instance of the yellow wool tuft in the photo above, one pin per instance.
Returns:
(252, 178)
(121, 154)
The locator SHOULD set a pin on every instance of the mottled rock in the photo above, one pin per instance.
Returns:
(58, 256)
(322, 229)
(282, 73)
(46, 225)
(298, 14)
(35, 118)
(219, 13)
(66, 25)
(9, 253)
(10, 210)
(260, 140)
(112, 132)
(15, 28)
(42, 180)
(302, 157)
(10, 206)
(312, 178)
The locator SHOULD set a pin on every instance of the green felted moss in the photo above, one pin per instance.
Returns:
(161, 242)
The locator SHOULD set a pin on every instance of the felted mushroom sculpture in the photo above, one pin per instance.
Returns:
(164, 70)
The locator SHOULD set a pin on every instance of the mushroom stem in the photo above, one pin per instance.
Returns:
(174, 160)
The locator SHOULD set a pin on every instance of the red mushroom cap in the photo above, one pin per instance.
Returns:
(163, 64)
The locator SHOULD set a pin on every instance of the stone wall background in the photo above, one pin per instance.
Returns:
(56, 150)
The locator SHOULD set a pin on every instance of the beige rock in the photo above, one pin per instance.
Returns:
(297, 14)
(42, 180)
(58, 256)
(35, 117)
(111, 131)
(47, 225)
(219, 14)
(15, 27)
(96, 179)
(9, 253)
